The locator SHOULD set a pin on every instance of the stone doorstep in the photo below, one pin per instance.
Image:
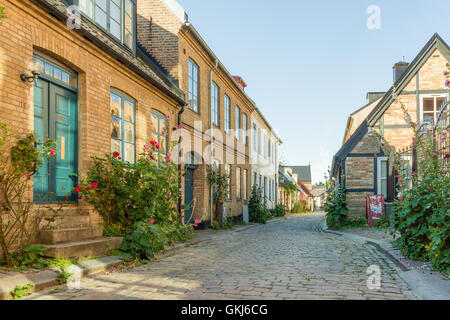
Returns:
(47, 278)
(69, 234)
(85, 248)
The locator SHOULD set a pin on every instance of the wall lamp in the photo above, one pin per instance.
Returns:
(29, 79)
(36, 68)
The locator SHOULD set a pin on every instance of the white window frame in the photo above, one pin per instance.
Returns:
(379, 161)
(435, 96)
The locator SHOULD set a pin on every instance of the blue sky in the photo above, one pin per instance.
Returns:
(309, 64)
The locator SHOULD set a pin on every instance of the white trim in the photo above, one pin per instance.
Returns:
(422, 96)
(379, 160)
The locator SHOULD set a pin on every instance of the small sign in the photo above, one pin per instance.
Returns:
(375, 209)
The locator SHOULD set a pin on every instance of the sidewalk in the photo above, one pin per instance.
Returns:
(423, 280)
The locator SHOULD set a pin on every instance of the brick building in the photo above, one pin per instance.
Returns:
(264, 159)
(215, 99)
(360, 164)
(97, 91)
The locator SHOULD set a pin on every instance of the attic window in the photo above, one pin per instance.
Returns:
(115, 17)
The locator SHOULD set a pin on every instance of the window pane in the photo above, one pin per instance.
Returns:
(129, 38)
(384, 187)
(129, 132)
(439, 103)
(48, 69)
(116, 146)
(116, 105)
(87, 7)
(116, 128)
(114, 28)
(129, 111)
(383, 169)
(428, 104)
(114, 10)
(100, 14)
(129, 153)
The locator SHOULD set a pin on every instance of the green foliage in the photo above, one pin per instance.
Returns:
(300, 207)
(63, 275)
(355, 222)
(20, 291)
(2, 13)
(219, 182)
(61, 262)
(31, 256)
(336, 207)
(20, 219)
(279, 211)
(290, 187)
(257, 211)
(422, 210)
(144, 240)
(137, 201)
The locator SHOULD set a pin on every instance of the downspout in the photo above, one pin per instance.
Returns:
(179, 162)
(216, 64)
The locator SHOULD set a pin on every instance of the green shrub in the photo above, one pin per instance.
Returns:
(279, 211)
(257, 212)
(300, 207)
(137, 201)
(335, 207)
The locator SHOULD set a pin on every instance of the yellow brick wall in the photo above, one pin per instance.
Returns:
(29, 29)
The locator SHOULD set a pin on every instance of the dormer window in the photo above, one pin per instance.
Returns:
(115, 17)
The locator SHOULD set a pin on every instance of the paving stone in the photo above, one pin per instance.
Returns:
(284, 260)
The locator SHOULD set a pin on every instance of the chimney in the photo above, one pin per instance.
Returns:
(373, 96)
(399, 69)
(240, 82)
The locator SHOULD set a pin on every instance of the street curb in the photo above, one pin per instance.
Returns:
(48, 278)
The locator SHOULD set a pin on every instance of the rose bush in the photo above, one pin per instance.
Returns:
(137, 201)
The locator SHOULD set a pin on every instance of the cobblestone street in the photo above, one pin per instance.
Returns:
(287, 259)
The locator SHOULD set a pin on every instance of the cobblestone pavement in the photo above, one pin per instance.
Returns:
(287, 259)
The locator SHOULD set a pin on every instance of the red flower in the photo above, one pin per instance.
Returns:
(116, 154)
(158, 146)
(52, 152)
(447, 156)
(78, 189)
(94, 185)
(153, 142)
(80, 197)
(87, 188)
(152, 221)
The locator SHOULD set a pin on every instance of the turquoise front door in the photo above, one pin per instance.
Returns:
(56, 118)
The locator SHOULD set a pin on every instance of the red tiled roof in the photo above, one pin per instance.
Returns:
(305, 188)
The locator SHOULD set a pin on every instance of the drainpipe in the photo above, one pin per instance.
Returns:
(216, 65)
(179, 163)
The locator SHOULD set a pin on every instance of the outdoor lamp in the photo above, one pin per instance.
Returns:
(36, 68)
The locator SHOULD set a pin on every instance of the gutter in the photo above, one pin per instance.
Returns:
(179, 162)
(212, 136)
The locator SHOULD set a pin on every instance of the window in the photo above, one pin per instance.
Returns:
(228, 173)
(255, 179)
(244, 127)
(227, 114)
(382, 176)
(430, 108)
(238, 123)
(116, 17)
(265, 146)
(238, 184)
(269, 149)
(123, 129)
(254, 138)
(215, 103)
(245, 184)
(193, 86)
(56, 72)
(259, 141)
(159, 131)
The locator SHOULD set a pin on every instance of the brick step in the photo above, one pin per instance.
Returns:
(69, 234)
(76, 221)
(85, 248)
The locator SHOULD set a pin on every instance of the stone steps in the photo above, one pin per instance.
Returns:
(70, 234)
(84, 248)
(71, 221)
